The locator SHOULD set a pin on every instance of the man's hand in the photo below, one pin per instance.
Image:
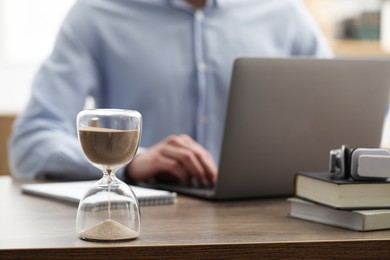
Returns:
(178, 156)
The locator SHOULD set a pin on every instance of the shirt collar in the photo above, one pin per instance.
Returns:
(209, 3)
(225, 2)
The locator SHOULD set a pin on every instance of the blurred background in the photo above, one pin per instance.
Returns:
(354, 27)
(28, 29)
(27, 34)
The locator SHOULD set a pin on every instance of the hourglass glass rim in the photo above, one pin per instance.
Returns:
(110, 112)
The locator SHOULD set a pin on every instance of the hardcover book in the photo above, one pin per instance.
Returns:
(321, 188)
(359, 220)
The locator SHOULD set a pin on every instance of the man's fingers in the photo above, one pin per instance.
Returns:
(188, 159)
(205, 170)
(174, 167)
(204, 158)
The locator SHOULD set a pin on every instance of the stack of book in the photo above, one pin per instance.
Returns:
(356, 205)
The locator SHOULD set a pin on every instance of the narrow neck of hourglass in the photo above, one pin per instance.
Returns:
(109, 174)
(109, 170)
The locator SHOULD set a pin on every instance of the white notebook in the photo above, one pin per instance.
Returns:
(73, 192)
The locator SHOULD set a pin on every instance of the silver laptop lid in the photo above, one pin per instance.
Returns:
(285, 115)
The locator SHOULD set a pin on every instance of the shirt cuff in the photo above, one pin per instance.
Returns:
(123, 174)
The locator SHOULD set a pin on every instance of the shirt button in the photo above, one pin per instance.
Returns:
(199, 16)
(203, 120)
(202, 67)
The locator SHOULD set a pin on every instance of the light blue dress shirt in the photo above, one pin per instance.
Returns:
(163, 58)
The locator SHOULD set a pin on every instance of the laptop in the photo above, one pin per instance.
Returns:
(284, 115)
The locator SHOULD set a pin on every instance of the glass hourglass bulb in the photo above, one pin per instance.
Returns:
(109, 139)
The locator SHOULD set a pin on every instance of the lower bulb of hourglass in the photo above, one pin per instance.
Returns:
(108, 211)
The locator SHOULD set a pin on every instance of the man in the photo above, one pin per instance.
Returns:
(171, 60)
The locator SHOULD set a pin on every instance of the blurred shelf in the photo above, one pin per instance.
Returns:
(357, 48)
(322, 12)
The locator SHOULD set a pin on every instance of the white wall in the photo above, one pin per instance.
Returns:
(28, 30)
(14, 88)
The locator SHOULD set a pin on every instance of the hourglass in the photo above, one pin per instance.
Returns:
(109, 210)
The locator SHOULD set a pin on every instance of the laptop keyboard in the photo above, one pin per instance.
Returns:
(195, 189)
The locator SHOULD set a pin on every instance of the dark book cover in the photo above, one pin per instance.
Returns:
(329, 177)
(323, 188)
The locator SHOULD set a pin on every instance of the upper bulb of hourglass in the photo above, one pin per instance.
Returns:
(109, 149)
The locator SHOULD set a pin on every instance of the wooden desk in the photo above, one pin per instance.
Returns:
(41, 228)
(6, 121)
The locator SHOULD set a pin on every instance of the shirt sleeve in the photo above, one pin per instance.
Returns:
(309, 39)
(44, 142)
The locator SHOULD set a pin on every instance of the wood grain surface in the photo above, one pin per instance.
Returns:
(192, 228)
